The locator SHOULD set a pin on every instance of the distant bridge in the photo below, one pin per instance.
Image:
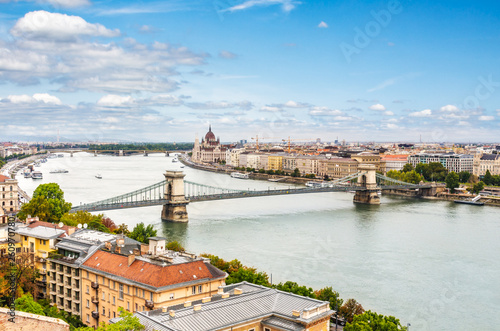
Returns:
(174, 193)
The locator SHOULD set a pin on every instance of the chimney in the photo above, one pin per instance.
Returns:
(197, 307)
(163, 309)
(225, 295)
(206, 299)
(117, 249)
(71, 230)
(220, 290)
(187, 304)
(131, 259)
(107, 244)
(296, 313)
(172, 313)
(238, 291)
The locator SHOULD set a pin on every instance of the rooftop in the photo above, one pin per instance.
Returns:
(255, 303)
(40, 232)
(490, 157)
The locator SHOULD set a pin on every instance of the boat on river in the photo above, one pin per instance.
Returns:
(59, 171)
(98, 176)
(36, 175)
(239, 175)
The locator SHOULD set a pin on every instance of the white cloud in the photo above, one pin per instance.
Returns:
(486, 118)
(36, 98)
(294, 104)
(449, 108)
(389, 113)
(423, 113)
(69, 3)
(463, 123)
(46, 98)
(392, 126)
(324, 111)
(286, 5)
(271, 109)
(322, 25)
(377, 107)
(60, 27)
(112, 100)
(227, 55)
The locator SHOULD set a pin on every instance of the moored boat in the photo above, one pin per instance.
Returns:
(36, 175)
(239, 175)
(59, 171)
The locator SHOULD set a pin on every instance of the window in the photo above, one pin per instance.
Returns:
(267, 329)
(87, 274)
(151, 296)
(171, 296)
(103, 311)
(114, 300)
(88, 318)
(88, 303)
(103, 295)
(113, 285)
(200, 288)
(120, 287)
(77, 306)
(128, 305)
(143, 293)
(103, 281)
(114, 314)
(136, 306)
(193, 290)
(87, 289)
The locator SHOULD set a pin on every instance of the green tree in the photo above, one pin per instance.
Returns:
(452, 181)
(412, 177)
(80, 217)
(175, 246)
(296, 173)
(351, 308)
(28, 304)
(47, 203)
(464, 176)
(478, 187)
(488, 179)
(142, 233)
(371, 321)
(328, 294)
(395, 174)
(250, 275)
(127, 323)
(295, 288)
(408, 167)
(123, 228)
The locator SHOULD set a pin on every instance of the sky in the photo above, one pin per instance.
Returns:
(163, 71)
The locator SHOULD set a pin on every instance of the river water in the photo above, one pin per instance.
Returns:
(433, 264)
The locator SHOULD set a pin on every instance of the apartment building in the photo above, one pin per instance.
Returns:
(242, 307)
(484, 162)
(275, 162)
(142, 279)
(393, 162)
(9, 199)
(337, 167)
(451, 161)
(308, 164)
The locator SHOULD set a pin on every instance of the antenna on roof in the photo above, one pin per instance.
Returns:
(79, 226)
(60, 224)
(85, 225)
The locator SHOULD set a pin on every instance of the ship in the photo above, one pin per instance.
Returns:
(239, 175)
(59, 171)
(36, 175)
(98, 176)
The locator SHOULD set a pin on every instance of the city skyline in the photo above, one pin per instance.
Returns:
(163, 70)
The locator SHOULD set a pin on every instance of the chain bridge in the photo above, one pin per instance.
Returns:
(174, 193)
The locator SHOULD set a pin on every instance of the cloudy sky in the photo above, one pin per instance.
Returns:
(164, 70)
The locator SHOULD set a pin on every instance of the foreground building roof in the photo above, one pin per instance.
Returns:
(240, 303)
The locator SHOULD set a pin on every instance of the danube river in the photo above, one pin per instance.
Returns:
(433, 264)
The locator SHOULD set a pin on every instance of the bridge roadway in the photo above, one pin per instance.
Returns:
(237, 195)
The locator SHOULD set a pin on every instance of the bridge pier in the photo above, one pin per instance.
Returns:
(174, 210)
(369, 181)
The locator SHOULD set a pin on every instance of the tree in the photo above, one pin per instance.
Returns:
(295, 288)
(296, 173)
(412, 177)
(47, 203)
(108, 222)
(478, 187)
(371, 321)
(248, 274)
(80, 217)
(488, 179)
(27, 304)
(122, 228)
(408, 167)
(23, 272)
(452, 181)
(128, 322)
(142, 233)
(175, 246)
(351, 308)
(464, 176)
(328, 294)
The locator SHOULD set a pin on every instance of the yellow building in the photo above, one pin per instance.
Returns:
(9, 200)
(337, 167)
(38, 239)
(143, 281)
(275, 162)
(242, 307)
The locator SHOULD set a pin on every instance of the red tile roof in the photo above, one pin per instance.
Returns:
(68, 229)
(148, 273)
(3, 178)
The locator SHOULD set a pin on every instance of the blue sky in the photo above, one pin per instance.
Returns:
(163, 70)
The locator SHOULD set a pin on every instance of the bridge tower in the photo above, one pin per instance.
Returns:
(174, 210)
(369, 181)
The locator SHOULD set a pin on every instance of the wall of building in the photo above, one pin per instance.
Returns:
(27, 321)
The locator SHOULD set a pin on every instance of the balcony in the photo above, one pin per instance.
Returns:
(95, 285)
(67, 283)
(95, 300)
(76, 297)
(95, 314)
(149, 304)
(43, 271)
(41, 259)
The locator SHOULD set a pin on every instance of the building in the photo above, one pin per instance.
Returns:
(209, 150)
(337, 167)
(368, 158)
(142, 279)
(39, 239)
(9, 199)
(242, 307)
(393, 162)
(233, 156)
(308, 164)
(451, 161)
(484, 162)
(275, 162)
(28, 321)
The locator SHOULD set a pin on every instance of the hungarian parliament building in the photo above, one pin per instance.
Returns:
(209, 150)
